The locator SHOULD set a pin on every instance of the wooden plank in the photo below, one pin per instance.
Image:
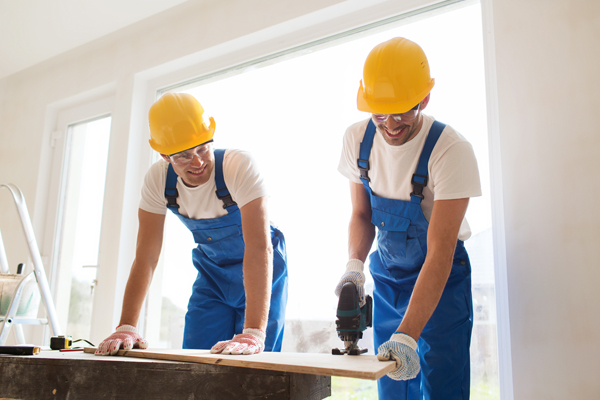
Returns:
(361, 367)
(55, 375)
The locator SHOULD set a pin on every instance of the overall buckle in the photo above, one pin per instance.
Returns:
(225, 198)
(364, 169)
(419, 182)
(172, 198)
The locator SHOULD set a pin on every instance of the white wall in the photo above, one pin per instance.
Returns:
(546, 55)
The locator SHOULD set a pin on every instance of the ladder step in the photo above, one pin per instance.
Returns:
(28, 321)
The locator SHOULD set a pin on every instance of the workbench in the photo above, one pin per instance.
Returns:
(77, 375)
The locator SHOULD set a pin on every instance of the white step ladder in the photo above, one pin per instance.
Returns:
(12, 286)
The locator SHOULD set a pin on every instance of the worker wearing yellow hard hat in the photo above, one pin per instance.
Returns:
(239, 297)
(411, 178)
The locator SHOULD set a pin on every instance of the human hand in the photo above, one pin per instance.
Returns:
(125, 337)
(250, 341)
(401, 348)
(354, 273)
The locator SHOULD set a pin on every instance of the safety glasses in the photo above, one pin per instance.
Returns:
(404, 117)
(186, 157)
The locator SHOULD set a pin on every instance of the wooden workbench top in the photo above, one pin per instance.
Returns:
(78, 375)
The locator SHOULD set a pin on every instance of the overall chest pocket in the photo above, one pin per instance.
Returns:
(222, 245)
(397, 240)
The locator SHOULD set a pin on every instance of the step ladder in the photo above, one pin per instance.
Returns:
(13, 286)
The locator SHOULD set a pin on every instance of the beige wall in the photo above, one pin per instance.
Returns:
(545, 55)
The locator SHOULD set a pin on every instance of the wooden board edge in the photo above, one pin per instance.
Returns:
(262, 365)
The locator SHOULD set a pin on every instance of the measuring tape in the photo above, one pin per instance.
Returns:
(61, 342)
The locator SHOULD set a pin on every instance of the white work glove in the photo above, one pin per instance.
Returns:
(354, 273)
(250, 341)
(401, 348)
(125, 337)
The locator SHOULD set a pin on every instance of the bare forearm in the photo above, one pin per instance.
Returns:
(360, 237)
(258, 276)
(427, 293)
(360, 230)
(258, 263)
(442, 234)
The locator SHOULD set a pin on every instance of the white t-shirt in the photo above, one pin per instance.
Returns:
(241, 175)
(453, 172)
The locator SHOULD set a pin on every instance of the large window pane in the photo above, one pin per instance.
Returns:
(291, 113)
(82, 188)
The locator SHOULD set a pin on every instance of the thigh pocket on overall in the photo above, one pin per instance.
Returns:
(397, 240)
(222, 245)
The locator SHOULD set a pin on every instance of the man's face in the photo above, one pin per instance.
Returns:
(194, 165)
(398, 129)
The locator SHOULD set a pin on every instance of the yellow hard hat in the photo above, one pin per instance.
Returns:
(396, 78)
(177, 124)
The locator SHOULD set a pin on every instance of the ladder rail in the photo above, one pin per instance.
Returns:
(38, 266)
(3, 260)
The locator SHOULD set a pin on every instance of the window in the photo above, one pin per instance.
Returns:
(80, 146)
(84, 178)
(291, 113)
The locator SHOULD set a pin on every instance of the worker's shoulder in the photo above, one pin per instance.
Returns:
(237, 155)
(451, 143)
(452, 135)
(158, 169)
(236, 159)
(358, 128)
(355, 133)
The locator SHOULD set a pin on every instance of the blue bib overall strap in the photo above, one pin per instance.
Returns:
(365, 152)
(171, 192)
(222, 192)
(419, 178)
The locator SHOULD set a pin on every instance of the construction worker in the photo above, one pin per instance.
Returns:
(239, 297)
(411, 177)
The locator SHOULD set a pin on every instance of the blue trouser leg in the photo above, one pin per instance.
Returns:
(209, 319)
(444, 343)
(451, 347)
(388, 310)
(279, 295)
(216, 321)
(275, 325)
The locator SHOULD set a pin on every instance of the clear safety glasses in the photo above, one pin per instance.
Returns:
(186, 157)
(404, 117)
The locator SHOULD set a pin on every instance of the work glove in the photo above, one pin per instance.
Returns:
(401, 348)
(125, 337)
(250, 341)
(354, 273)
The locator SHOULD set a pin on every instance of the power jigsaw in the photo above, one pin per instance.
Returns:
(352, 320)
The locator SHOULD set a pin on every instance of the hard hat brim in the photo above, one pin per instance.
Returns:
(374, 107)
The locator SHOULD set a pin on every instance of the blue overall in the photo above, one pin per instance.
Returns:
(218, 301)
(443, 347)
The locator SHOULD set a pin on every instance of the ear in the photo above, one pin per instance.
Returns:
(425, 101)
(165, 157)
